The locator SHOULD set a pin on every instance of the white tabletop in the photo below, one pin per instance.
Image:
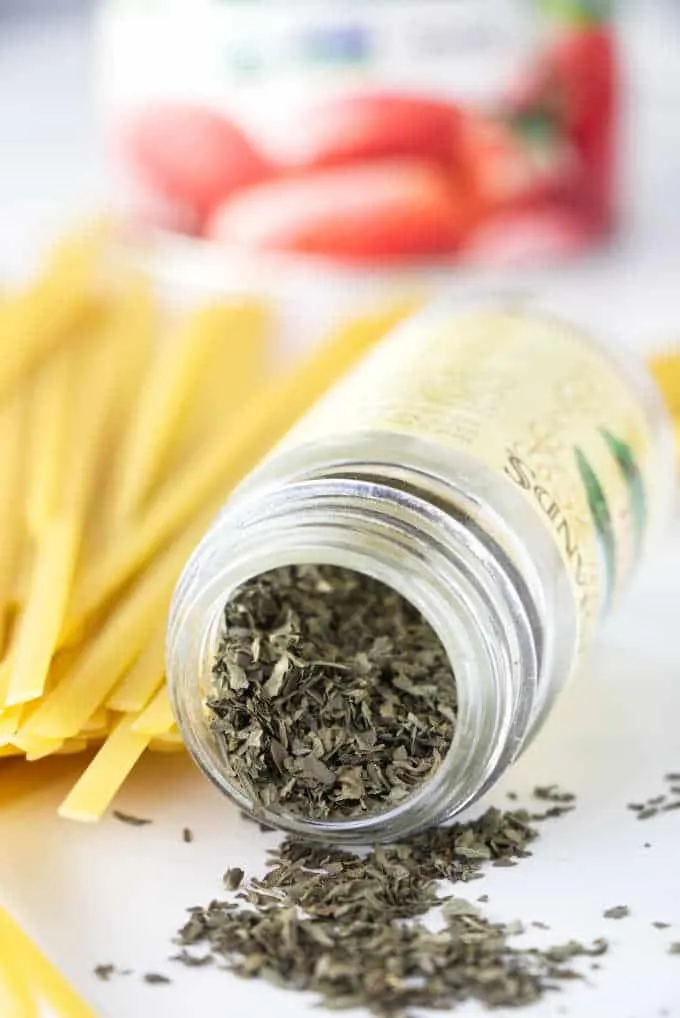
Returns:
(113, 893)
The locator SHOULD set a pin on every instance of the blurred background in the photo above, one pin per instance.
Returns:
(53, 163)
(72, 72)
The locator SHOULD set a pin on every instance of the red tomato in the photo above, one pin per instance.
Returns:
(576, 81)
(583, 63)
(522, 237)
(367, 212)
(350, 128)
(504, 168)
(190, 155)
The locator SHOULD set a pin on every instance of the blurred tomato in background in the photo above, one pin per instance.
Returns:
(411, 131)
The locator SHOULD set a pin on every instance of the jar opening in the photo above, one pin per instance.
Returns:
(435, 562)
(332, 698)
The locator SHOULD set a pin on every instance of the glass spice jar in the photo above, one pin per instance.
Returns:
(502, 470)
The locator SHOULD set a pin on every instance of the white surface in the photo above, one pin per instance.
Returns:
(113, 893)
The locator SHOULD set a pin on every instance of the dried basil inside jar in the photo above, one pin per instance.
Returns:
(473, 495)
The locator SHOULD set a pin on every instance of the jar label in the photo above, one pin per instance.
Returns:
(417, 132)
(529, 397)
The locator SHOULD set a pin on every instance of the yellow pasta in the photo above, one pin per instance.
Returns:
(5, 676)
(132, 336)
(92, 794)
(129, 343)
(39, 626)
(50, 402)
(71, 401)
(665, 368)
(234, 371)
(146, 675)
(97, 375)
(16, 998)
(224, 461)
(10, 718)
(64, 711)
(34, 322)
(97, 723)
(176, 384)
(12, 413)
(134, 447)
(157, 719)
(70, 747)
(45, 981)
(36, 748)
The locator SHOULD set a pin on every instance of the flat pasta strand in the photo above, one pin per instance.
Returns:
(174, 386)
(36, 321)
(217, 468)
(64, 711)
(40, 624)
(157, 719)
(51, 402)
(91, 796)
(146, 675)
(12, 422)
(16, 998)
(45, 980)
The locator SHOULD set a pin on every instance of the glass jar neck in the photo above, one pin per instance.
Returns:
(460, 582)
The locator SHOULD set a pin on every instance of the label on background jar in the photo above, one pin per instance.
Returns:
(372, 132)
(528, 397)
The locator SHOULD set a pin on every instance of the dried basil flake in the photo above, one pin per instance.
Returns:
(128, 818)
(617, 912)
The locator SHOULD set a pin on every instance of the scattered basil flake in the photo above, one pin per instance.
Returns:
(664, 802)
(104, 972)
(350, 927)
(233, 878)
(192, 960)
(128, 818)
(552, 793)
(617, 912)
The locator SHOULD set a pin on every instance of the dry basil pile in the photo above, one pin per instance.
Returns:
(349, 928)
(332, 696)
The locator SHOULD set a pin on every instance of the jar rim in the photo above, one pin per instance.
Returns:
(390, 535)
